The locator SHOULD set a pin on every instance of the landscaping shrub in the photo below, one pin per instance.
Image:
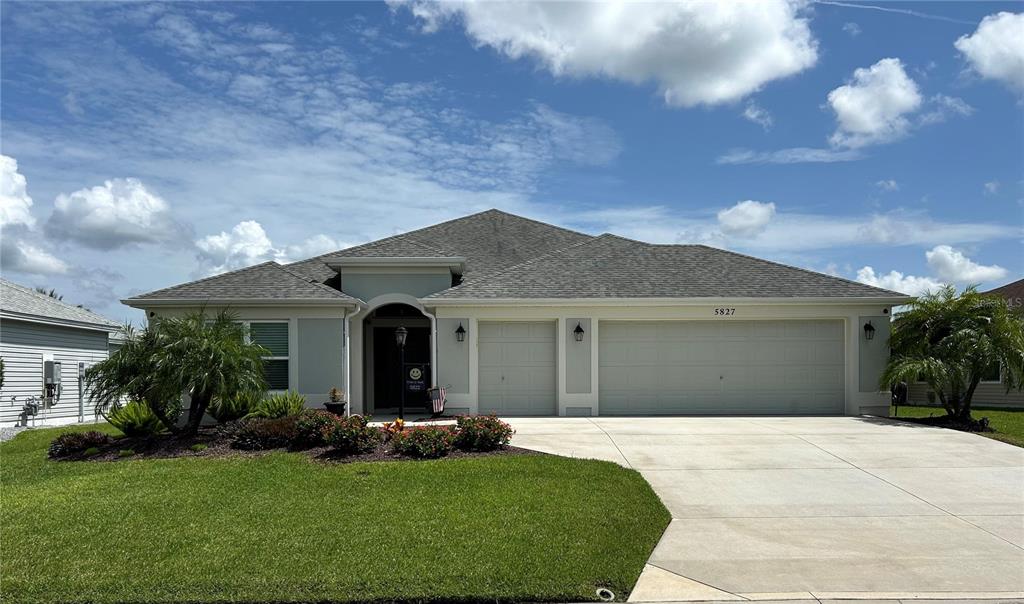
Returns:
(91, 451)
(313, 428)
(70, 443)
(279, 405)
(198, 448)
(134, 419)
(126, 452)
(481, 433)
(236, 406)
(353, 434)
(426, 442)
(259, 434)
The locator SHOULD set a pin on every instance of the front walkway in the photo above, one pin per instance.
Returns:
(814, 507)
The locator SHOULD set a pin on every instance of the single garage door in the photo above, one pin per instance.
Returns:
(517, 368)
(741, 367)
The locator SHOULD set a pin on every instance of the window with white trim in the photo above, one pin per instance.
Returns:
(992, 375)
(272, 335)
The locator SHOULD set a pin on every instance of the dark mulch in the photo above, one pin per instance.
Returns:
(953, 423)
(218, 444)
(384, 453)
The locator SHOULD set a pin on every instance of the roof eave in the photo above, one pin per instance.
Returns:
(16, 316)
(884, 300)
(142, 303)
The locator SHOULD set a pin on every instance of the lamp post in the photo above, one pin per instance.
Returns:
(400, 335)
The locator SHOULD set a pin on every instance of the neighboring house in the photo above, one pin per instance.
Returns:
(991, 392)
(519, 317)
(40, 333)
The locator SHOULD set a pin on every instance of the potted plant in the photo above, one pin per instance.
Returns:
(336, 401)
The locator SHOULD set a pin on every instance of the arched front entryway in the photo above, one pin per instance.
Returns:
(386, 372)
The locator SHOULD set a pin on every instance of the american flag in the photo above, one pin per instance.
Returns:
(437, 399)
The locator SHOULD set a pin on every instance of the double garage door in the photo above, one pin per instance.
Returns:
(672, 367)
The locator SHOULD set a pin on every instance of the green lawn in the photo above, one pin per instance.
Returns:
(1007, 423)
(285, 528)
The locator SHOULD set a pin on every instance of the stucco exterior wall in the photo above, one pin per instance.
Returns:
(577, 357)
(321, 348)
(366, 285)
(874, 354)
(453, 356)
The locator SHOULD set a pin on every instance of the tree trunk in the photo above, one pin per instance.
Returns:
(196, 410)
(965, 405)
(171, 426)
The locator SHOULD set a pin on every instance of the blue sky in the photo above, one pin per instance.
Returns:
(150, 144)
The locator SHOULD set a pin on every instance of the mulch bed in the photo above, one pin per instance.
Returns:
(953, 423)
(167, 446)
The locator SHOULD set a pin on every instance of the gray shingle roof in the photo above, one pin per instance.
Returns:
(490, 241)
(613, 267)
(266, 281)
(20, 301)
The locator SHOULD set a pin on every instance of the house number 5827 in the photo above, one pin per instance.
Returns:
(725, 311)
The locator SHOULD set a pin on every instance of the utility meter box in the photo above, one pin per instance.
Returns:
(51, 373)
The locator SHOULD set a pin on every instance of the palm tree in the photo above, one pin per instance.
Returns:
(51, 293)
(195, 355)
(951, 341)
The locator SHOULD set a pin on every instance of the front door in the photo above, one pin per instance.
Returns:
(389, 377)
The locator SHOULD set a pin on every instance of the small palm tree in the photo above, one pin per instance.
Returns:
(951, 341)
(207, 359)
(196, 355)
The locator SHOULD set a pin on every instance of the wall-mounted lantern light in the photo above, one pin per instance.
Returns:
(400, 335)
(578, 332)
(460, 333)
(869, 331)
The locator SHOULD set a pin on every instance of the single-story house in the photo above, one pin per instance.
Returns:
(992, 391)
(518, 317)
(46, 345)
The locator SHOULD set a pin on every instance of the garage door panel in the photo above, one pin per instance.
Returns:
(517, 368)
(691, 367)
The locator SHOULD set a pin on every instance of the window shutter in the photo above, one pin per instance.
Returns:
(272, 336)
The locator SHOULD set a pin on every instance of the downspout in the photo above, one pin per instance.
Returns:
(433, 347)
(346, 342)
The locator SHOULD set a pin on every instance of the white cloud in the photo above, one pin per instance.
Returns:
(117, 213)
(897, 281)
(697, 52)
(24, 256)
(20, 248)
(942, 107)
(996, 49)
(248, 244)
(851, 28)
(991, 187)
(758, 115)
(746, 218)
(15, 202)
(873, 106)
(795, 155)
(953, 266)
(888, 185)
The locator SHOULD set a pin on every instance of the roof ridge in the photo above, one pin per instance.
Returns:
(495, 274)
(204, 279)
(797, 268)
(406, 235)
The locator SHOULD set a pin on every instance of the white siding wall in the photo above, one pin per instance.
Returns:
(23, 346)
(988, 394)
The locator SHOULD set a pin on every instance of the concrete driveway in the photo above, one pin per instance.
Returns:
(814, 507)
